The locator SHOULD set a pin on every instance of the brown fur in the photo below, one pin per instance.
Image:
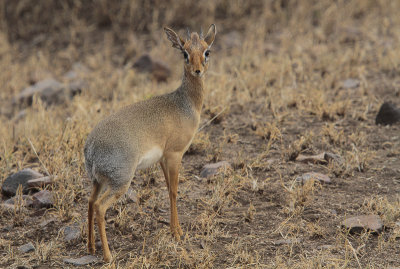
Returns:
(156, 130)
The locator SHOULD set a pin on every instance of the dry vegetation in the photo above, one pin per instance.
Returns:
(276, 73)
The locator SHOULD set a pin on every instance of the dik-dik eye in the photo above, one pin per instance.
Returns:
(186, 56)
(206, 54)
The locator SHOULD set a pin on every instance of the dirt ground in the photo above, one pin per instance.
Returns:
(277, 84)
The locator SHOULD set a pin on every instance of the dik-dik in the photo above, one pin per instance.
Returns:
(159, 129)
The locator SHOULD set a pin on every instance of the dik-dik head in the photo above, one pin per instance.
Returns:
(195, 50)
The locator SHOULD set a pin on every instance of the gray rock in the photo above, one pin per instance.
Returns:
(27, 248)
(43, 198)
(212, 169)
(287, 241)
(7, 207)
(26, 200)
(49, 90)
(322, 158)
(319, 158)
(82, 260)
(39, 182)
(351, 83)
(388, 114)
(131, 196)
(313, 175)
(363, 222)
(72, 233)
(10, 185)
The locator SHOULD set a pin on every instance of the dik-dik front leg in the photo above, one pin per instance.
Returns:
(170, 164)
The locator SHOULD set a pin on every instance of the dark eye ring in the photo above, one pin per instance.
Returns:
(207, 53)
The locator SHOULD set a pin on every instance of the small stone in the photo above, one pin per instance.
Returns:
(351, 83)
(43, 198)
(319, 158)
(26, 200)
(333, 157)
(26, 248)
(39, 182)
(47, 222)
(213, 168)
(363, 222)
(71, 233)
(388, 114)
(49, 90)
(11, 184)
(82, 260)
(7, 207)
(325, 247)
(131, 196)
(287, 241)
(313, 175)
(322, 158)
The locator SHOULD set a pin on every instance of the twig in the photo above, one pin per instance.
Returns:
(208, 122)
(34, 150)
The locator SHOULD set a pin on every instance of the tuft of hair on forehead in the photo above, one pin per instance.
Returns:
(194, 37)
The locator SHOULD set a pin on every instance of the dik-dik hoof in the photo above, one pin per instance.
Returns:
(107, 257)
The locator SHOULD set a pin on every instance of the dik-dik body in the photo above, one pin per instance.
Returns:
(156, 130)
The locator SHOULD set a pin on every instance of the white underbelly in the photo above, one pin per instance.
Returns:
(149, 158)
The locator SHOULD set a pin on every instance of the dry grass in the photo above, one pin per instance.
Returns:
(276, 78)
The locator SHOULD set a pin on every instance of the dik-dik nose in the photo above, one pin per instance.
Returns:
(197, 72)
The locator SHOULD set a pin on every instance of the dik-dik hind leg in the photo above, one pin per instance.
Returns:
(101, 206)
(92, 200)
(163, 164)
(173, 163)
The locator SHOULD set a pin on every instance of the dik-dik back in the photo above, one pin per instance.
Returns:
(156, 130)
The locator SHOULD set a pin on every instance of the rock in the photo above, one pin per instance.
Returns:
(39, 182)
(26, 200)
(388, 114)
(322, 158)
(7, 207)
(131, 196)
(351, 83)
(46, 222)
(82, 260)
(319, 158)
(72, 233)
(26, 248)
(363, 222)
(287, 241)
(20, 115)
(159, 70)
(333, 157)
(49, 90)
(10, 185)
(43, 198)
(213, 168)
(313, 175)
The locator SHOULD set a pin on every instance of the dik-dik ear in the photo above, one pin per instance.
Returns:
(177, 41)
(210, 36)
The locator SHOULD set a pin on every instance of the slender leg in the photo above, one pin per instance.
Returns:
(173, 163)
(165, 171)
(101, 206)
(92, 200)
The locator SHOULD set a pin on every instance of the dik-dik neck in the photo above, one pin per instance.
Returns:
(193, 88)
